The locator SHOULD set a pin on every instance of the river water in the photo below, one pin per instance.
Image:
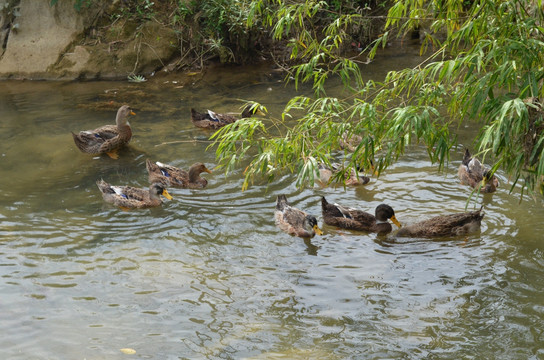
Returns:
(209, 276)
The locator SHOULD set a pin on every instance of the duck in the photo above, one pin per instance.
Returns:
(472, 172)
(355, 178)
(172, 176)
(128, 197)
(295, 221)
(213, 120)
(350, 142)
(445, 225)
(353, 219)
(106, 139)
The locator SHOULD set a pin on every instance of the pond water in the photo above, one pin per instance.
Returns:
(209, 276)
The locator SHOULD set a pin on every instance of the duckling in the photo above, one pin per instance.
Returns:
(472, 172)
(172, 176)
(294, 221)
(353, 219)
(106, 139)
(128, 197)
(445, 225)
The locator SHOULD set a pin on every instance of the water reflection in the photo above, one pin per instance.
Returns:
(209, 275)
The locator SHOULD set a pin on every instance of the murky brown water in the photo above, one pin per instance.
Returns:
(209, 275)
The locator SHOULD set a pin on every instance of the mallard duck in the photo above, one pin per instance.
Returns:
(355, 178)
(213, 120)
(472, 172)
(353, 219)
(128, 197)
(445, 225)
(172, 176)
(294, 221)
(350, 143)
(108, 138)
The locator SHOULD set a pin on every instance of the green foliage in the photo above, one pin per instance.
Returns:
(485, 68)
(139, 10)
(218, 28)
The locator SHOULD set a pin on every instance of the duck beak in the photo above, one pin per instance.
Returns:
(166, 195)
(395, 221)
(207, 170)
(318, 230)
(132, 112)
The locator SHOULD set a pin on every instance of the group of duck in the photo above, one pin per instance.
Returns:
(471, 172)
(108, 139)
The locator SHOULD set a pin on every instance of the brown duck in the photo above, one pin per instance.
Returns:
(353, 219)
(172, 176)
(327, 173)
(472, 172)
(106, 139)
(213, 120)
(350, 143)
(445, 225)
(294, 221)
(128, 197)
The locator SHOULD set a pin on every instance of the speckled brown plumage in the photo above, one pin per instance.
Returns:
(106, 139)
(129, 197)
(172, 176)
(294, 221)
(213, 120)
(471, 172)
(327, 173)
(445, 225)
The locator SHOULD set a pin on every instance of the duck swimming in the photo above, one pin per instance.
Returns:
(106, 139)
(445, 225)
(172, 176)
(355, 178)
(128, 197)
(472, 172)
(294, 221)
(213, 120)
(353, 219)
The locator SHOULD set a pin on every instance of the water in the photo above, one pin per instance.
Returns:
(209, 276)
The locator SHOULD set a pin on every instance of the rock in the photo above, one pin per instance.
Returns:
(51, 43)
(43, 32)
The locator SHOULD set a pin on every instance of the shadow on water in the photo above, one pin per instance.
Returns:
(209, 275)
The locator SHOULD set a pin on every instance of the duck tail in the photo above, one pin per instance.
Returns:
(150, 165)
(104, 187)
(281, 202)
(324, 203)
(467, 157)
(480, 213)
